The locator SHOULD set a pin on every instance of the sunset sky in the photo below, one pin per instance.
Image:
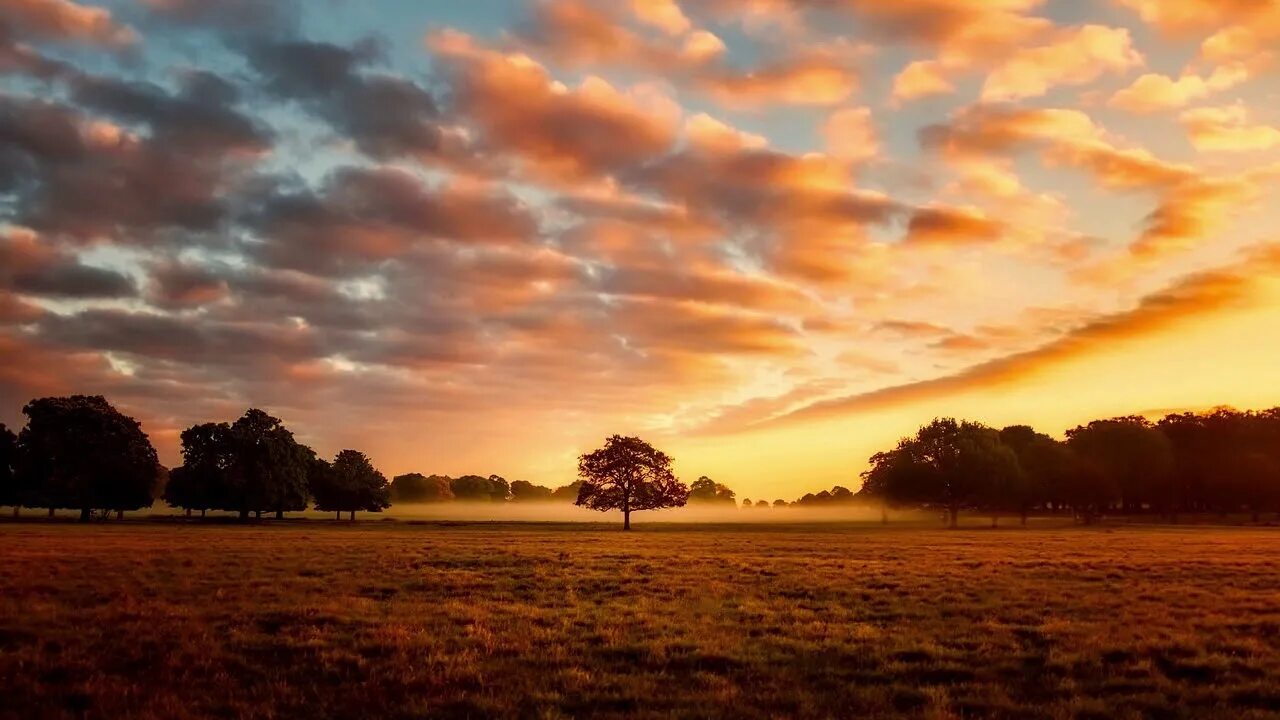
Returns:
(770, 236)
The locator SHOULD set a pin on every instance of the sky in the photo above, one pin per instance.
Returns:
(769, 236)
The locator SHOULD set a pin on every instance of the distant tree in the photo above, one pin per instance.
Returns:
(946, 464)
(474, 488)
(747, 504)
(525, 491)
(79, 452)
(567, 493)
(501, 489)
(841, 495)
(419, 488)
(351, 484)
(628, 474)
(1132, 457)
(762, 503)
(704, 490)
(8, 476)
(779, 503)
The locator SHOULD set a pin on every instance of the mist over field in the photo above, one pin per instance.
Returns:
(560, 512)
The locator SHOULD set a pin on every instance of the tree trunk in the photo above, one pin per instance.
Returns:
(85, 514)
(626, 519)
(279, 514)
(188, 512)
(953, 514)
(337, 514)
(257, 514)
(119, 514)
(202, 512)
(353, 516)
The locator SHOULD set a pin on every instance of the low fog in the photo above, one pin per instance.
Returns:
(564, 512)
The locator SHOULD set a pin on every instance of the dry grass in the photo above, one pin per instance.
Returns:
(149, 620)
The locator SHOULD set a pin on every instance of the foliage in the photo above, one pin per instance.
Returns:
(8, 461)
(80, 452)
(474, 488)
(351, 484)
(706, 491)
(628, 474)
(525, 491)
(419, 488)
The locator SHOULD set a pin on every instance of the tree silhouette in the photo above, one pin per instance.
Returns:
(270, 471)
(418, 488)
(474, 488)
(8, 476)
(567, 493)
(628, 474)
(351, 484)
(1131, 457)
(704, 490)
(79, 452)
(525, 491)
(947, 464)
(202, 481)
(1046, 468)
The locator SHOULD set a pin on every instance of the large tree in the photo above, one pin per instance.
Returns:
(419, 488)
(628, 474)
(351, 484)
(946, 464)
(271, 468)
(79, 452)
(8, 476)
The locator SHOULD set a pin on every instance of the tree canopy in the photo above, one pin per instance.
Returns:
(704, 490)
(419, 488)
(351, 484)
(628, 474)
(79, 452)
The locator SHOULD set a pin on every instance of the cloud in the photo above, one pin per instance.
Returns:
(1153, 92)
(1195, 295)
(553, 132)
(850, 134)
(1078, 56)
(31, 266)
(385, 116)
(66, 21)
(1227, 129)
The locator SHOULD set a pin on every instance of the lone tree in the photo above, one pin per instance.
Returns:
(79, 452)
(628, 474)
(351, 484)
(9, 494)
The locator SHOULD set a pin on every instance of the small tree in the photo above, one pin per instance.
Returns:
(79, 452)
(201, 482)
(628, 474)
(8, 477)
(351, 484)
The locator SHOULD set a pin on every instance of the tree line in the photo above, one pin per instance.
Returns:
(80, 453)
(1225, 461)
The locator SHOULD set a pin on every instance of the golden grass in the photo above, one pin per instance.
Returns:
(307, 619)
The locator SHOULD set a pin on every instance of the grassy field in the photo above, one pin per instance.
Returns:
(391, 619)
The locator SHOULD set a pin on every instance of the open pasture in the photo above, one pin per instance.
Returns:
(392, 619)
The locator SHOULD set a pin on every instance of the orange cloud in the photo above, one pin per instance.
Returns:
(1196, 295)
(1076, 57)
(1227, 129)
(65, 20)
(1153, 92)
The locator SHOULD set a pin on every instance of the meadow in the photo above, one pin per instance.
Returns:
(400, 619)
